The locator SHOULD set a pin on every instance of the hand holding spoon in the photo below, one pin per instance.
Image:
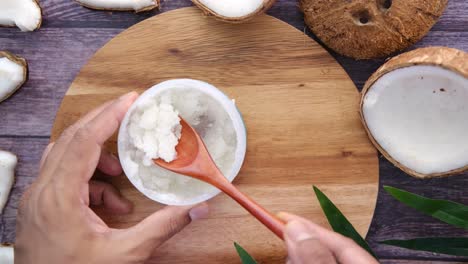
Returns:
(193, 160)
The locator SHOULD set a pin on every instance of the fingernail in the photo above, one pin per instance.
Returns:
(199, 212)
(113, 156)
(282, 216)
(127, 96)
(297, 231)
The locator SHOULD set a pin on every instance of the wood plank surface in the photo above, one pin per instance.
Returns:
(71, 34)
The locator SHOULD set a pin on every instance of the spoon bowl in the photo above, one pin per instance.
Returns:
(194, 160)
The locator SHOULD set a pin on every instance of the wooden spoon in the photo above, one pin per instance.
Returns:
(194, 160)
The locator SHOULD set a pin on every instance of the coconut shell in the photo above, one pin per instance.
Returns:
(40, 20)
(235, 20)
(148, 8)
(6, 244)
(20, 61)
(365, 29)
(447, 58)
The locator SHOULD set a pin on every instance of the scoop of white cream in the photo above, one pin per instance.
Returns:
(155, 130)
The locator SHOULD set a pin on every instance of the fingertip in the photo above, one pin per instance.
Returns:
(117, 170)
(109, 164)
(283, 216)
(287, 217)
(129, 97)
(123, 104)
(121, 206)
(199, 212)
(115, 166)
(126, 206)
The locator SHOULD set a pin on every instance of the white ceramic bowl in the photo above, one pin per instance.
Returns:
(227, 104)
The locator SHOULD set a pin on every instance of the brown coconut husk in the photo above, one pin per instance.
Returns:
(235, 20)
(447, 58)
(20, 61)
(365, 29)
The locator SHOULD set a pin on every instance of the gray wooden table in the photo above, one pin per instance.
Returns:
(71, 34)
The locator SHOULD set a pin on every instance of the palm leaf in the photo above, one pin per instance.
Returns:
(447, 211)
(456, 246)
(338, 221)
(244, 255)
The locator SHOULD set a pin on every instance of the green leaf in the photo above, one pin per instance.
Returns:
(338, 221)
(447, 211)
(456, 246)
(244, 255)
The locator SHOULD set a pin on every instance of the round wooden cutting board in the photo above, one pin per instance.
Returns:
(299, 106)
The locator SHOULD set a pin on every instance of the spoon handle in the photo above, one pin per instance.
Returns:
(266, 218)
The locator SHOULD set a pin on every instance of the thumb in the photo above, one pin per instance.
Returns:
(163, 224)
(304, 245)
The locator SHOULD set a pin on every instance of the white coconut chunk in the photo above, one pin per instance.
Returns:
(8, 163)
(155, 131)
(12, 76)
(419, 116)
(136, 5)
(6, 254)
(25, 14)
(232, 8)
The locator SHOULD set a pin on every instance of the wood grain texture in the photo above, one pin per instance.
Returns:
(299, 107)
(70, 35)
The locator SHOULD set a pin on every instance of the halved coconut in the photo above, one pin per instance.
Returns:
(6, 254)
(13, 74)
(370, 29)
(8, 163)
(25, 14)
(234, 11)
(415, 111)
(120, 5)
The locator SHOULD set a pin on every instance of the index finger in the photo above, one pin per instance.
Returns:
(56, 149)
(82, 155)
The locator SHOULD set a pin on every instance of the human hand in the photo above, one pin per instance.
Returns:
(308, 242)
(55, 223)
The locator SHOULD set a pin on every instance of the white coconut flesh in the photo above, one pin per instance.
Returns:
(232, 8)
(25, 14)
(12, 75)
(8, 163)
(6, 255)
(136, 5)
(419, 116)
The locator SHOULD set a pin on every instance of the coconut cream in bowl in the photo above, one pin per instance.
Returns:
(151, 129)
